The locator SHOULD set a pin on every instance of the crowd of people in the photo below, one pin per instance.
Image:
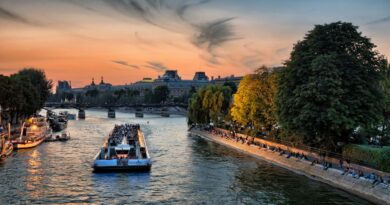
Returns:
(347, 170)
(126, 130)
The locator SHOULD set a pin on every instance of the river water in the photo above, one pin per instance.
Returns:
(186, 170)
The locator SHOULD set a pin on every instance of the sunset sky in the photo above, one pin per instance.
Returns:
(126, 40)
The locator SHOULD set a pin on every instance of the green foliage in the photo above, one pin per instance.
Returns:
(384, 125)
(232, 86)
(209, 104)
(23, 93)
(253, 104)
(38, 79)
(331, 85)
(160, 94)
(374, 156)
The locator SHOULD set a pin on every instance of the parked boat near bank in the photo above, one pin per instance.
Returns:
(124, 150)
(6, 147)
(69, 116)
(63, 137)
(58, 124)
(33, 133)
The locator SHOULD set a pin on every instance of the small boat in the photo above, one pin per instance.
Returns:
(33, 133)
(81, 114)
(58, 123)
(71, 116)
(67, 115)
(62, 138)
(124, 150)
(164, 112)
(6, 147)
(111, 113)
(139, 114)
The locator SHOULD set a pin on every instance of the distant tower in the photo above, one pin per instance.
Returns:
(101, 80)
(93, 81)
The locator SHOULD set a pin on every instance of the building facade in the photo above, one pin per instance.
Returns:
(170, 78)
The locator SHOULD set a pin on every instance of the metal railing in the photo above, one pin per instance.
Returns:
(320, 152)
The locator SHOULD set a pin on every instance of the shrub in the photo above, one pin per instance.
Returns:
(374, 156)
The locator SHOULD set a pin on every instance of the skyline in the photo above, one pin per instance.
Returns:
(126, 40)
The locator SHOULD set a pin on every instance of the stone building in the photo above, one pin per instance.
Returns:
(170, 78)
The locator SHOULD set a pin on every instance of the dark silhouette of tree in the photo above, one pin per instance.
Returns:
(331, 85)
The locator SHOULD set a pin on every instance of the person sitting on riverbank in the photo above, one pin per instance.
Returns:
(289, 155)
(341, 163)
(315, 161)
(377, 180)
(346, 170)
(326, 165)
(371, 176)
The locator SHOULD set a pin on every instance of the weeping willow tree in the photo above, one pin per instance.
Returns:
(209, 104)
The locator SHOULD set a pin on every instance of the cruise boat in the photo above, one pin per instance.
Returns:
(124, 150)
(6, 147)
(33, 133)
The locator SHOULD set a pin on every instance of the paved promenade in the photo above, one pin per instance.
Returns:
(379, 193)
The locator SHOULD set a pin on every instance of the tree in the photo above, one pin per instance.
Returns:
(5, 95)
(232, 86)
(25, 98)
(254, 103)
(160, 94)
(331, 85)
(384, 125)
(209, 104)
(38, 79)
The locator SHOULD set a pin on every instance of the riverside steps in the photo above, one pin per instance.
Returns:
(306, 164)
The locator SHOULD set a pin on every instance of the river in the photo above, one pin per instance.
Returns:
(186, 170)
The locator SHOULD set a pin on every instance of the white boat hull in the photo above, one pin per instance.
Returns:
(122, 165)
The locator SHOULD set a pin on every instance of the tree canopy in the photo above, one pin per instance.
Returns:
(24, 93)
(209, 104)
(331, 85)
(253, 106)
(160, 94)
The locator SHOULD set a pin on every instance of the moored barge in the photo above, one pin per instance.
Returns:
(6, 147)
(33, 133)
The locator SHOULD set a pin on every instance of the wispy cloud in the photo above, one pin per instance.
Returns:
(12, 16)
(157, 66)
(124, 63)
(212, 35)
(156, 12)
(172, 16)
(382, 20)
(181, 9)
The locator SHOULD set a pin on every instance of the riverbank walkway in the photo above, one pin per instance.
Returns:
(366, 185)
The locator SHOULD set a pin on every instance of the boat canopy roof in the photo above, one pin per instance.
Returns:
(122, 147)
